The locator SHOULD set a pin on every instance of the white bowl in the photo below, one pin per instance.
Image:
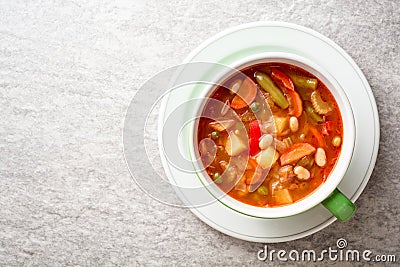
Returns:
(326, 188)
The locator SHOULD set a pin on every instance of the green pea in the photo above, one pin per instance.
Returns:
(215, 135)
(217, 178)
(263, 190)
(255, 107)
(336, 141)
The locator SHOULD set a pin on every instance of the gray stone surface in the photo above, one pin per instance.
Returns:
(68, 70)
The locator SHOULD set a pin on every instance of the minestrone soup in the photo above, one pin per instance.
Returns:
(275, 143)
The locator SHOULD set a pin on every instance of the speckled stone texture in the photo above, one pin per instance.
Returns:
(68, 70)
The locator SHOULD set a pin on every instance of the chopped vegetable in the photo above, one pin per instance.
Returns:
(255, 134)
(262, 190)
(246, 94)
(317, 135)
(281, 146)
(288, 142)
(282, 79)
(255, 107)
(247, 116)
(281, 124)
(303, 82)
(296, 152)
(222, 125)
(282, 196)
(312, 114)
(319, 105)
(295, 103)
(336, 141)
(306, 162)
(268, 85)
(217, 178)
(328, 127)
(234, 145)
(215, 135)
(286, 175)
(285, 170)
(267, 157)
(267, 126)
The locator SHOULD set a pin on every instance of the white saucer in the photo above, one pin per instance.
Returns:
(245, 40)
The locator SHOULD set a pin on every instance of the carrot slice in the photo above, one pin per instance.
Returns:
(296, 152)
(295, 104)
(318, 136)
(245, 95)
(238, 102)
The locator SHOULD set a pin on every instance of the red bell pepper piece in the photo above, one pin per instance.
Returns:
(282, 79)
(255, 134)
(328, 127)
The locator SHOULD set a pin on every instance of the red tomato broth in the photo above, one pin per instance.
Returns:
(297, 189)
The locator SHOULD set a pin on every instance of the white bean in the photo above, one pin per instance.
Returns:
(320, 157)
(267, 157)
(294, 124)
(301, 173)
(265, 141)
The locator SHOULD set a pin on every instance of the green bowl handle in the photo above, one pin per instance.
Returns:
(339, 205)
